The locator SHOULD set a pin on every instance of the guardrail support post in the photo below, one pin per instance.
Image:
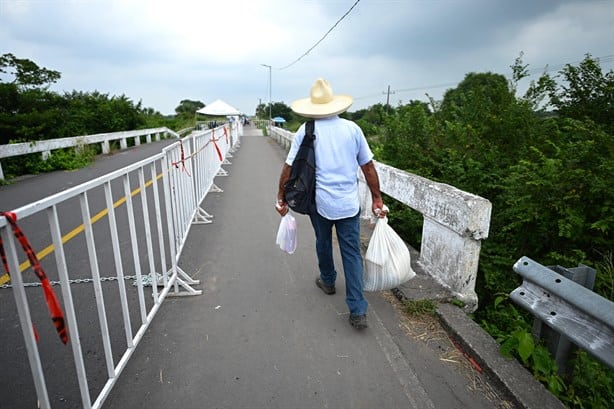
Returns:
(558, 344)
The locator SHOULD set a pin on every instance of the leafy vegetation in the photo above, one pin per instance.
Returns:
(60, 159)
(545, 161)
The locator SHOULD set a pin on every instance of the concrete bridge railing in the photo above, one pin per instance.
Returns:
(46, 147)
(455, 223)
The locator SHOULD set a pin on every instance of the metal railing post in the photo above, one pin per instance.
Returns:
(559, 345)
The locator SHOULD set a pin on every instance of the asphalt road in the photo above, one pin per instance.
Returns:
(261, 335)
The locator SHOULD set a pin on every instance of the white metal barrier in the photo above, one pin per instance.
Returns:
(47, 146)
(455, 223)
(205, 151)
(150, 207)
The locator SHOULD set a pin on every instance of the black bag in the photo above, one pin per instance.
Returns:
(300, 189)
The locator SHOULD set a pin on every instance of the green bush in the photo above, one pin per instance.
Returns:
(60, 159)
(549, 177)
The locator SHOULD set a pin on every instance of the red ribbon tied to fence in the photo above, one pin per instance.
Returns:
(217, 148)
(55, 310)
(226, 135)
(182, 161)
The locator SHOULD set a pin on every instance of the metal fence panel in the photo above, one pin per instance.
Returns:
(181, 176)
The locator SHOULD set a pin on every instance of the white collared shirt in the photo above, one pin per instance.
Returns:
(340, 149)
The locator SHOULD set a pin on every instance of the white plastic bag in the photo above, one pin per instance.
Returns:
(286, 234)
(387, 261)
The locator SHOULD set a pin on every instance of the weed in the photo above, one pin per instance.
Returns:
(420, 307)
(458, 303)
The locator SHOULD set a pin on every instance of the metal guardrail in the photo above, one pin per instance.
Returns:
(47, 146)
(569, 308)
(156, 216)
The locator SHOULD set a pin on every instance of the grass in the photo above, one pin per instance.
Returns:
(420, 307)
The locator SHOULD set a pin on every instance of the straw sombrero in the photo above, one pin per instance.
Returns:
(321, 102)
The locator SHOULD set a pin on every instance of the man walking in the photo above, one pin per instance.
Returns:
(340, 149)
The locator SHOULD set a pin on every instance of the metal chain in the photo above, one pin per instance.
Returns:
(74, 281)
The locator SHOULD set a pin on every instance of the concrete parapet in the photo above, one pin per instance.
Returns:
(455, 222)
(46, 147)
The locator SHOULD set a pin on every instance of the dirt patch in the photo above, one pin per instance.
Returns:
(427, 329)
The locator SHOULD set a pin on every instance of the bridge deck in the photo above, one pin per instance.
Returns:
(262, 335)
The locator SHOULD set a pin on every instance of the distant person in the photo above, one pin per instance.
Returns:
(340, 149)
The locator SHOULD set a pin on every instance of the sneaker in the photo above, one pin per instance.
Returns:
(359, 321)
(328, 289)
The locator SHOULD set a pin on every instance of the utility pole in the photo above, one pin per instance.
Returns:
(270, 87)
(388, 98)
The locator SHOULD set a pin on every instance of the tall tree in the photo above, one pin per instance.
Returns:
(586, 93)
(188, 107)
(26, 73)
(24, 99)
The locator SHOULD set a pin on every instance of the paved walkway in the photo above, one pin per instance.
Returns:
(262, 335)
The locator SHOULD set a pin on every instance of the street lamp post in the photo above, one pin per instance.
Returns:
(270, 87)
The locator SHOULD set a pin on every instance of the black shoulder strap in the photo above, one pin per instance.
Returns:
(309, 128)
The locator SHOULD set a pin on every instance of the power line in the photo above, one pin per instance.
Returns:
(321, 39)
(601, 60)
(425, 87)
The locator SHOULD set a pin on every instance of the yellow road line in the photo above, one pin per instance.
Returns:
(4, 279)
(75, 232)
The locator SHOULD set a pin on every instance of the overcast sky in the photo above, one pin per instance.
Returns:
(163, 51)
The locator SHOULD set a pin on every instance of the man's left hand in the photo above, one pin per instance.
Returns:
(379, 208)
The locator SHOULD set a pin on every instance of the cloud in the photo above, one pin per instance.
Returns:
(163, 51)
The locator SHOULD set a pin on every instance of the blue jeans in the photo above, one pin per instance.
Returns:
(348, 235)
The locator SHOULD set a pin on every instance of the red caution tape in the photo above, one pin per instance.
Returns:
(55, 310)
(217, 148)
(226, 135)
(182, 161)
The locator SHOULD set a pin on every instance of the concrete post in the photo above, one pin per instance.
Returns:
(451, 259)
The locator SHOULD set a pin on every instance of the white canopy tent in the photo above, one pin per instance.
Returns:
(219, 108)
